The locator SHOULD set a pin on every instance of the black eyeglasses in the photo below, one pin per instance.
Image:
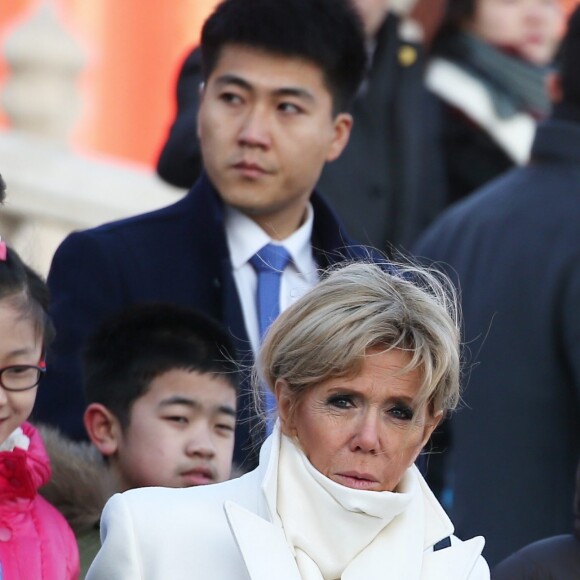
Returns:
(21, 377)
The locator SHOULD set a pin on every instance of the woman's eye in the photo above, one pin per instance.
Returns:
(340, 402)
(401, 412)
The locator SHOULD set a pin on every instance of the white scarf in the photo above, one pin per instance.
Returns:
(328, 525)
(16, 439)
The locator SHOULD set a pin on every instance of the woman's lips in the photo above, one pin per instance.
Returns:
(357, 480)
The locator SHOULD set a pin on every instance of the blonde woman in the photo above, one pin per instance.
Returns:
(363, 367)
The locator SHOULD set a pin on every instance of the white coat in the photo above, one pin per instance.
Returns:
(225, 532)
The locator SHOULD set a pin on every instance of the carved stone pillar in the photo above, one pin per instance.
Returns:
(44, 60)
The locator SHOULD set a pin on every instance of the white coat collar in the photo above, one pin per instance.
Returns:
(266, 553)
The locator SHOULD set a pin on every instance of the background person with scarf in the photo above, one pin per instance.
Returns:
(363, 368)
(513, 250)
(488, 71)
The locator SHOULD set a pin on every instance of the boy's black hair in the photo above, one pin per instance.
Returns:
(131, 349)
(327, 33)
(28, 292)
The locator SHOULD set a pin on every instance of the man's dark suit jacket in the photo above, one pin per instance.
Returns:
(178, 254)
(515, 250)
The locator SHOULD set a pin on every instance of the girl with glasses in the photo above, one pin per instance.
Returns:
(35, 540)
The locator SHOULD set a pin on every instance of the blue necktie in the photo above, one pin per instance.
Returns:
(269, 264)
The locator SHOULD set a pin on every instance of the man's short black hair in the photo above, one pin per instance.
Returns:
(131, 349)
(327, 33)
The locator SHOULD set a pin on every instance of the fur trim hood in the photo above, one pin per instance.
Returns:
(81, 482)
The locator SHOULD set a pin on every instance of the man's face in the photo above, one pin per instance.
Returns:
(266, 128)
(180, 434)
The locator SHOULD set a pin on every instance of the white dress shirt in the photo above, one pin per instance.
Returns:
(245, 237)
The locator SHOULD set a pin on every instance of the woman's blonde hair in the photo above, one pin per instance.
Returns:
(362, 306)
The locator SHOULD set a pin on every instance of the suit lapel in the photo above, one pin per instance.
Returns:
(262, 545)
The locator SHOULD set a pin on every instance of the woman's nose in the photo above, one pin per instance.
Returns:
(367, 436)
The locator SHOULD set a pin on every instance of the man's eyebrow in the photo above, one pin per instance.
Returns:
(298, 92)
(294, 92)
(227, 410)
(231, 79)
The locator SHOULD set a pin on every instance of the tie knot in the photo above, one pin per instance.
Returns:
(271, 258)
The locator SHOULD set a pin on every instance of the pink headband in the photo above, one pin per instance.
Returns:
(2, 250)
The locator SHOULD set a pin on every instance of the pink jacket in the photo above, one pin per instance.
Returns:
(35, 540)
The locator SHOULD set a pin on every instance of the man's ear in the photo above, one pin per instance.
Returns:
(285, 407)
(103, 428)
(341, 133)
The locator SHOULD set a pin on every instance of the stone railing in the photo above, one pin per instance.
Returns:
(50, 189)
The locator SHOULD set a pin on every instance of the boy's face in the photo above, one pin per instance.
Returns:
(181, 432)
(267, 128)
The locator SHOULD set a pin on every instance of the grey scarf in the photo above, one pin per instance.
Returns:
(514, 84)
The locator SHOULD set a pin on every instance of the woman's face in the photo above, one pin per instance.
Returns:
(362, 432)
(19, 344)
(531, 28)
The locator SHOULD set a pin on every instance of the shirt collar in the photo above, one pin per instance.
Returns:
(245, 237)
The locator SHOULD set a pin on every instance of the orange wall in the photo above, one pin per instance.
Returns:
(133, 50)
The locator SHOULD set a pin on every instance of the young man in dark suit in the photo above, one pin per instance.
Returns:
(388, 184)
(272, 113)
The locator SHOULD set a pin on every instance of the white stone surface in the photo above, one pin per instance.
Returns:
(52, 191)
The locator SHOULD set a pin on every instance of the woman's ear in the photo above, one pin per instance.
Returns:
(430, 425)
(103, 428)
(285, 406)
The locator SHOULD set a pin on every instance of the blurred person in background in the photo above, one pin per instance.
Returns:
(488, 70)
(556, 558)
(514, 250)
